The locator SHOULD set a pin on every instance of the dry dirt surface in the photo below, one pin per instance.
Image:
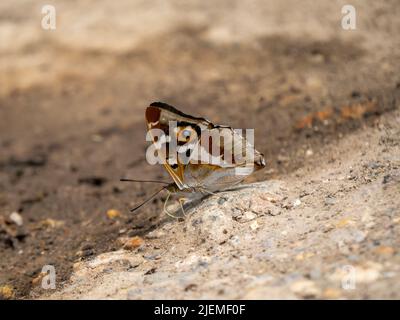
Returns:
(329, 233)
(321, 221)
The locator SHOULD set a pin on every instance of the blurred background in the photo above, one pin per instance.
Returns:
(72, 103)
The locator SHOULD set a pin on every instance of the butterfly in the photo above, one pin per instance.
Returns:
(201, 157)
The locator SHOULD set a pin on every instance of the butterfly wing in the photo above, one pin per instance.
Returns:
(159, 116)
(211, 163)
(222, 161)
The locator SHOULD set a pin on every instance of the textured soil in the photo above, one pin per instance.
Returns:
(331, 233)
(72, 105)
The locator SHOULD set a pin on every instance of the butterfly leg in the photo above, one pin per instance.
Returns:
(181, 202)
(208, 192)
(165, 207)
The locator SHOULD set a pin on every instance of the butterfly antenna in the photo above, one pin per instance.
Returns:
(147, 200)
(134, 180)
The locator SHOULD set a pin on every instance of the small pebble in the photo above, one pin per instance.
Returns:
(249, 216)
(6, 292)
(52, 223)
(16, 218)
(296, 203)
(38, 279)
(304, 255)
(305, 288)
(331, 293)
(369, 273)
(222, 200)
(133, 243)
(155, 234)
(112, 214)
(254, 225)
(330, 201)
(344, 222)
(386, 179)
(309, 153)
(384, 250)
(96, 138)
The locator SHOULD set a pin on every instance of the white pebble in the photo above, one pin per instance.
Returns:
(309, 153)
(254, 225)
(296, 203)
(16, 218)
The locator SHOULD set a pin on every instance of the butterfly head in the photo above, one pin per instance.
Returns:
(259, 161)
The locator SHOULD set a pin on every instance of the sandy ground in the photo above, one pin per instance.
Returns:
(332, 233)
(323, 102)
